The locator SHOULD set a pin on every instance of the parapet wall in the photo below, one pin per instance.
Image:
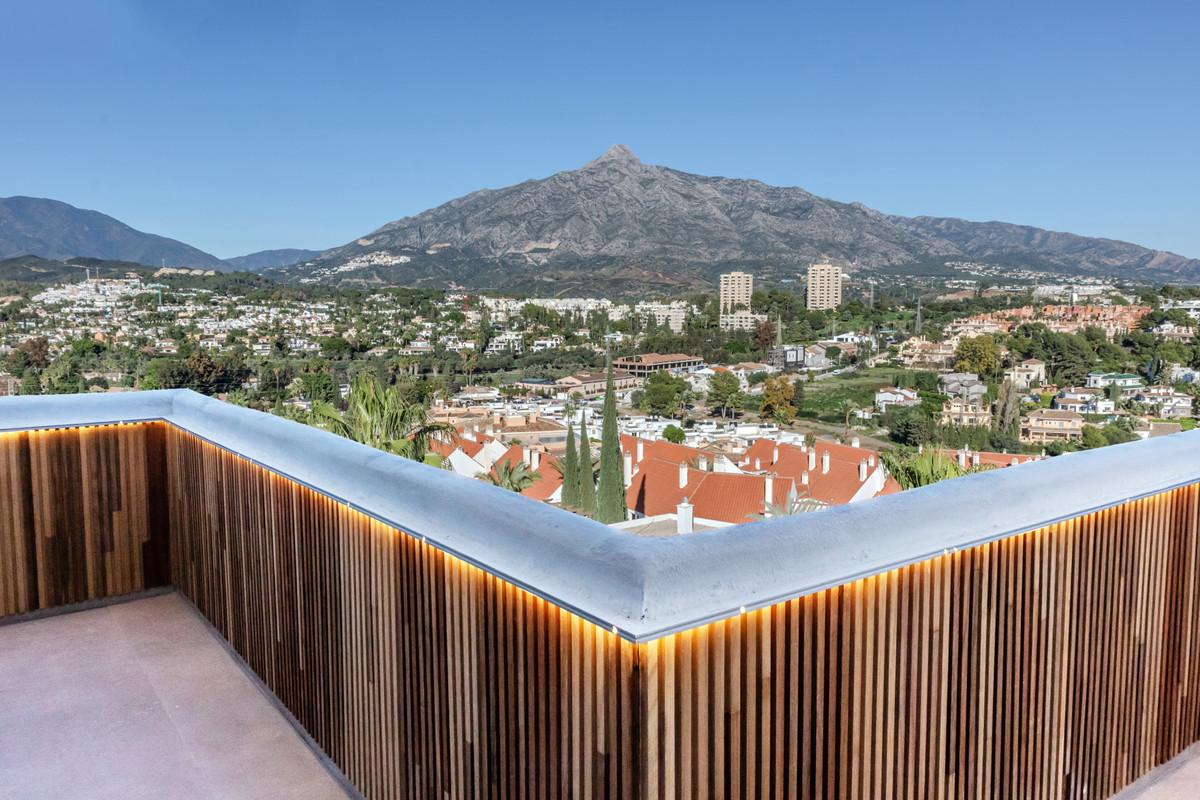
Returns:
(1027, 632)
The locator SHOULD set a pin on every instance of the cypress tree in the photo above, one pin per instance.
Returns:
(587, 480)
(610, 505)
(570, 471)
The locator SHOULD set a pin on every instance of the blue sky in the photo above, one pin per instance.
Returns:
(239, 126)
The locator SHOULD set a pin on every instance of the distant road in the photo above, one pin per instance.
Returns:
(822, 376)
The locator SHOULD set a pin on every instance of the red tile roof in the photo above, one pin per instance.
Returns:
(836, 487)
(995, 459)
(729, 497)
(457, 442)
(549, 478)
(732, 497)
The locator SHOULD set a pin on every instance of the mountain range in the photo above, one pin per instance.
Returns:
(623, 224)
(53, 230)
(618, 225)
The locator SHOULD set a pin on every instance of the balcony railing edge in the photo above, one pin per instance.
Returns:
(646, 588)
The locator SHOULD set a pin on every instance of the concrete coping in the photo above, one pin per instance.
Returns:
(643, 588)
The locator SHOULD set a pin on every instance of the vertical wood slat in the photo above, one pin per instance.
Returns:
(81, 515)
(1058, 663)
(977, 673)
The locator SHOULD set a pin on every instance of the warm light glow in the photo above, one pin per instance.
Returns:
(1069, 527)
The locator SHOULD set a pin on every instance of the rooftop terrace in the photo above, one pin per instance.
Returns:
(142, 700)
(1021, 632)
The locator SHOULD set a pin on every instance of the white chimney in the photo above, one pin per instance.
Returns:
(641, 450)
(535, 459)
(684, 517)
(825, 463)
(862, 471)
(775, 455)
(804, 478)
(1013, 462)
(871, 460)
(683, 474)
(628, 468)
(527, 456)
(757, 464)
(702, 462)
(769, 489)
(975, 459)
(812, 458)
(854, 441)
(962, 459)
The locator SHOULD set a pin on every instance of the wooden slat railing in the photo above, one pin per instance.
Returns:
(1059, 662)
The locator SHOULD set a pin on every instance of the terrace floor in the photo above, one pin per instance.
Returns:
(141, 700)
(1178, 779)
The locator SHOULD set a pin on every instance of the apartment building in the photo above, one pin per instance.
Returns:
(970, 412)
(1029, 373)
(592, 384)
(1083, 400)
(742, 320)
(824, 286)
(1165, 401)
(736, 289)
(645, 363)
(1122, 380)
(1047, 425)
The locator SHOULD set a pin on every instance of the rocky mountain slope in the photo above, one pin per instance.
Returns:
(55, 230)
(617, 221)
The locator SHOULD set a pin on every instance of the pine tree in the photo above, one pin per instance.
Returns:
(570, 470)
(610, 506)
(587, 479)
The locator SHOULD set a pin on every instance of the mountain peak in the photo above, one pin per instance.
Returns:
(617, 154)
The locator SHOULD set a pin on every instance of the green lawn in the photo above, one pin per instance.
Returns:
(823, 399)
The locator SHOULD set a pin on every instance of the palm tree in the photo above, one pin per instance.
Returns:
(789, 507)
(469, 363)
(516, 476)
(921, 469)
(847, 408)
(378, 415)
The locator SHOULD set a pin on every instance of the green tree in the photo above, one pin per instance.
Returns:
(167, 373)
(515, 476)
(570, 470)
(674, 434)
(977, 354)
(377, 415)
(1092, 437)
(798, 395)
(663, 394)
(319, 387)
(777, 400)
(335, 347)
(725, 393)
(587, 474)
(910, 426)
(610, 502)
(919, 469)
(1008, 409)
